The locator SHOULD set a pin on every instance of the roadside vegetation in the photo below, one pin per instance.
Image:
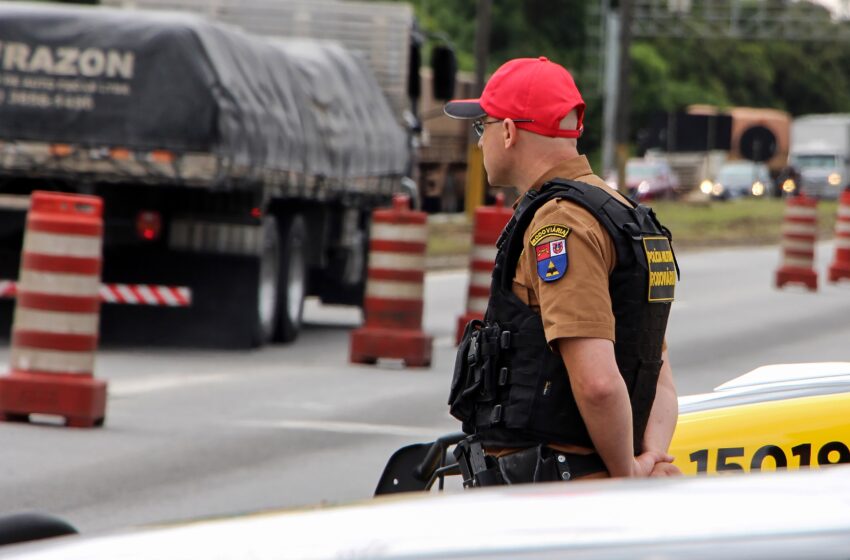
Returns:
(735, 222)
(695, 225)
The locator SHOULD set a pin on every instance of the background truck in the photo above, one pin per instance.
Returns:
(700, 140)
(820, 153)
(391, 42)
(238, 173)
(442, 153)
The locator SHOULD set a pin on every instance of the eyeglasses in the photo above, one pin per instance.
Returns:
(478, 126)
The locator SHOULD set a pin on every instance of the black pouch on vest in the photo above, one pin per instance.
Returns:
(464, 383)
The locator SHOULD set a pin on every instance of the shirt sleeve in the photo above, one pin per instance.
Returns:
(577, 303)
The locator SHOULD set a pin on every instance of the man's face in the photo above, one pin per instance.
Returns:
(492, 145)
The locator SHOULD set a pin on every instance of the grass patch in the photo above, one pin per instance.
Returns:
(694, 225)
(735, 222)
(449, 235)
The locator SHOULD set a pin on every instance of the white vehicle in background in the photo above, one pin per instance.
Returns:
(737, 179)
(820, 153)
(650, 179)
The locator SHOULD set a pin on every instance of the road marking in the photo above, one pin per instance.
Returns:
(131, 387)
(346, 427)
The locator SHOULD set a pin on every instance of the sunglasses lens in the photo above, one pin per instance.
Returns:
(478, 128)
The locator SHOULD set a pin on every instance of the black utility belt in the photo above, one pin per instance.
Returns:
(542, 463)
(534, 464)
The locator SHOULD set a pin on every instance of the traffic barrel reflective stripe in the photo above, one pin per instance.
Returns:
(394, 289)
(488, 223)
(56, 324)
(799, 234)
(840, 267)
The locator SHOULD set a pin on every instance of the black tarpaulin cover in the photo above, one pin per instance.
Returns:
(144, 81)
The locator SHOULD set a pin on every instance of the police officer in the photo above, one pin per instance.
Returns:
(568, 374)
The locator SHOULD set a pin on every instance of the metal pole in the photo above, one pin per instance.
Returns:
(624, 94)
(482, 42)
(475, 177)
(609, 110)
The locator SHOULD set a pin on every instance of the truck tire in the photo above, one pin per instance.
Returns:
(268, 287)
(292, 286)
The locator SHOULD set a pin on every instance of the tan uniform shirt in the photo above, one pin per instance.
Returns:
(577, 302)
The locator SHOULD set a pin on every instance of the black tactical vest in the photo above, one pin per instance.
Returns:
(509, 386)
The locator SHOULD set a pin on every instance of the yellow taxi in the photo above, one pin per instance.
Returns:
(781, 416)
(786, 416)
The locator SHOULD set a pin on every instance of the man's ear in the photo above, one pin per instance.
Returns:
(510, 135)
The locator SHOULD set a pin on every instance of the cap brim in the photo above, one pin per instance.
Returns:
(464, 109)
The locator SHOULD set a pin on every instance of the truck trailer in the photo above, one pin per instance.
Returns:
(391, 42)
(238, 172)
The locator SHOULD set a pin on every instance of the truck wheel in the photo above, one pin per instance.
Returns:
(293, 279)
(268, 290)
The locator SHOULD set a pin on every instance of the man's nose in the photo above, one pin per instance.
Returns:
(480, 142)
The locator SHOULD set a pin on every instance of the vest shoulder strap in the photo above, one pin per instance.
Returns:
(614, 216)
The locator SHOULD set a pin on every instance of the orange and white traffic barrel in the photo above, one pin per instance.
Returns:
(55, 328)
(394, 289)
(487, 226)
(799, 233)
(840, 268)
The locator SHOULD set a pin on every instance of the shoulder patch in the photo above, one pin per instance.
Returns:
(553, 230)
(550, 247)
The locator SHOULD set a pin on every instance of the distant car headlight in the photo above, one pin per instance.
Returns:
(643, 187)
(758, 188)
(834, 179)
(789, 185)
(717, 189)
(706, 186)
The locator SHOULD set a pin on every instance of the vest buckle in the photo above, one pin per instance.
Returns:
(633, 231)
(505, 340)
(496, 415)
(503, 376)
(472, 355)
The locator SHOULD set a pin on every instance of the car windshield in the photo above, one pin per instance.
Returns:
(639, 170)
(815, 161)
(738, 173)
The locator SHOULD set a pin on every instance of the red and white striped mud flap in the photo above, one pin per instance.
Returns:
(146, 294)
(8, 289)
(127, 294)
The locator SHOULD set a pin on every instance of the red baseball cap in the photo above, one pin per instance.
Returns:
(533, 89)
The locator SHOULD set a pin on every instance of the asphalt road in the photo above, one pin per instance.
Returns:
(200, 433)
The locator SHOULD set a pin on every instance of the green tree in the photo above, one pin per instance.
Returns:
(667, 73)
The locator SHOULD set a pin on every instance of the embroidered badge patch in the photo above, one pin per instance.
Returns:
(550, 246)
(662, 268)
